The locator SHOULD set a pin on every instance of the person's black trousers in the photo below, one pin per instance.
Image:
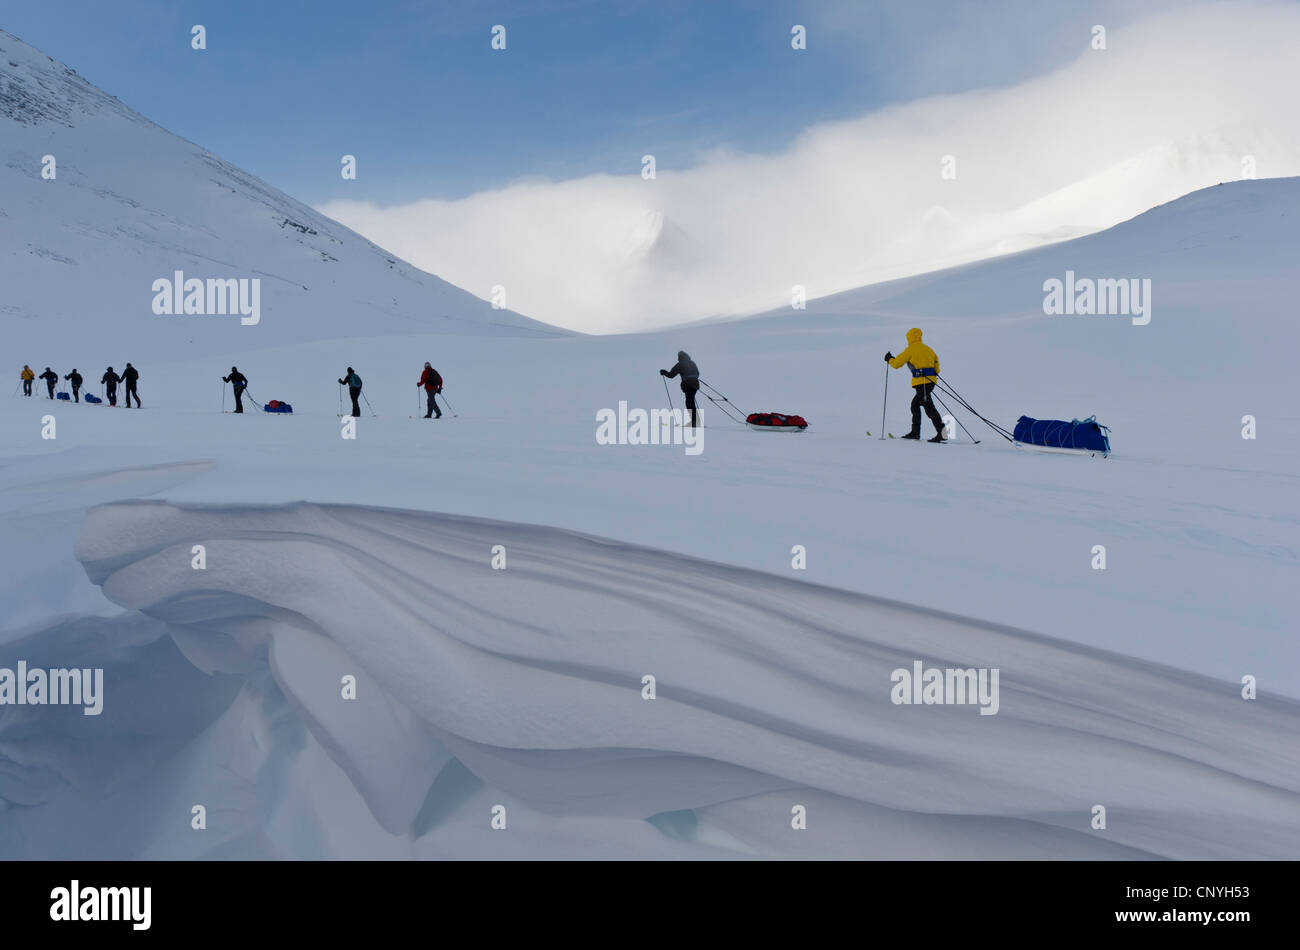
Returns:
(239, 399)
(130, 391)
(921, 400)
(689, 388)
(433, 404)
(76, 394)
(111, 395)
(50, 384)
(354, 392)
(27, 387)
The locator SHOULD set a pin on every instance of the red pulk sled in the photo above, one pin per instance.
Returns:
(775, 422)
(758, 421)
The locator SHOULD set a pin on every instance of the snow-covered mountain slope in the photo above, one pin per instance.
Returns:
(129, 204)
(522, 687)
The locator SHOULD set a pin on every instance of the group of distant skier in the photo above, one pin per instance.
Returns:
(430, 381)
(919, 358)
(130, 377)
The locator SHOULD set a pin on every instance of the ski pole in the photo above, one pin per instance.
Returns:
(955, 419)
(884, 402)
(448, 402)
(672, 410)
(223, 395)
(961, 400)
(340, 399)
(370, 407)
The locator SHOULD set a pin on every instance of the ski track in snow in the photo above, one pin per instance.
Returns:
(771, 692)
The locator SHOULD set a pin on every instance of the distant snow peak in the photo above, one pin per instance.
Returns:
(142, 202)
(1103, 296)
(653, 238)
(36, 89)
(643, 235)
(216, 296)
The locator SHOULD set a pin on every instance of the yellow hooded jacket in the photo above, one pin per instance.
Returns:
(28, 374)
(920, 359)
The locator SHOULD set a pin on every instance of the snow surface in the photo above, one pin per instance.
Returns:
(522, 687)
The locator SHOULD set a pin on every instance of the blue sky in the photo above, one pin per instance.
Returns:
(414, 91)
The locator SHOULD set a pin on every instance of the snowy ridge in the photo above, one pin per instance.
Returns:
(130, 203)
(771, 692)
(36, 89)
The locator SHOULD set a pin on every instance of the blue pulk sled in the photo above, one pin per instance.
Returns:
(1076, 437)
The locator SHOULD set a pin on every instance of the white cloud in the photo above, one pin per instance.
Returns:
(1173, 105)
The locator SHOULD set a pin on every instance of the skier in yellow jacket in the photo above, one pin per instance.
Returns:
(27, 377)
(924, 364)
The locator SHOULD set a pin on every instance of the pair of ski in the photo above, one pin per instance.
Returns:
(944, 442)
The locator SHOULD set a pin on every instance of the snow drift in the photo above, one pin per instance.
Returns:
(771, 693)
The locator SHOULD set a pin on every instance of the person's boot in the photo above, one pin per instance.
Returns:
(938, 437)
(913, 435)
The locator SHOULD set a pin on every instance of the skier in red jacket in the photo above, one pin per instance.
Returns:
(432, 384)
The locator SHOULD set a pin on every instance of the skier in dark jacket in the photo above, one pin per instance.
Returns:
(690, 373)
(131, 376)
(75, 378)
(353, 382)
(50, 378)
(432, 383)
(238, 382)
(110, 381)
